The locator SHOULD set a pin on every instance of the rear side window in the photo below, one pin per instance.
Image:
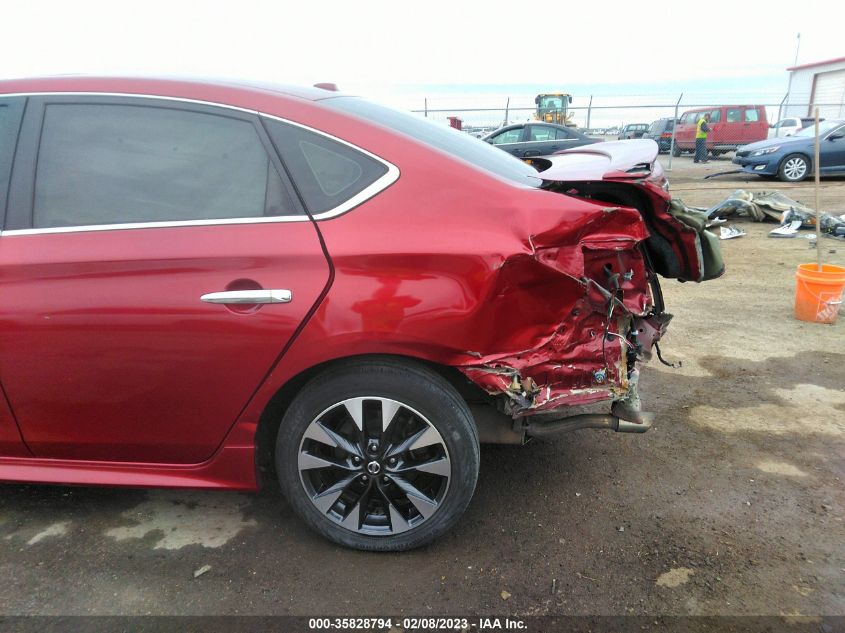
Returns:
(541, 133)
(116, 164)
(326, 172)
(443, 138)
(11, 110)
(563, 134)
(751, 115)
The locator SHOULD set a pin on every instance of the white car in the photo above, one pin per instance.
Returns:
(789, 126)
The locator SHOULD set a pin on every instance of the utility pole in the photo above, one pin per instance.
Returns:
(789, 85)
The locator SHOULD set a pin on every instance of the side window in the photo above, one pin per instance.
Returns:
(733, 115)
(563, 135)
(326, 172)
(751, 115)
(715, 115)
(510, 136)
(540, 133)
(115, 164)
(11, 110)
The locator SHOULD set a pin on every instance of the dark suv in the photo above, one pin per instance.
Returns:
(661, 133)
(633, 130)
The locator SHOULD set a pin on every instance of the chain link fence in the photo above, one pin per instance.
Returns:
(670, 120)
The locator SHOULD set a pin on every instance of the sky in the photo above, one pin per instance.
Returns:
(452, 53)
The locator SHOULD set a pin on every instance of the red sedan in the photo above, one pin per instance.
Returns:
(205, 284)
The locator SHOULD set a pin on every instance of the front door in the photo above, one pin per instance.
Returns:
(832, 151)
(126, 217)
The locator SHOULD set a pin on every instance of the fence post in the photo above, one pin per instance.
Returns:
(674, 127)
(780, 107)
(425, 107)
(589, 112)
(507, 106)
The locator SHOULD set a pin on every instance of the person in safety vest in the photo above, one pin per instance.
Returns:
(701, 131)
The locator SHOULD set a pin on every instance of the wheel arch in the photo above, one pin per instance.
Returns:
(801, 153)
(272, 414)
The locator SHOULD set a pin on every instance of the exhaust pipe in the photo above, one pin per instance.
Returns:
(590, 421)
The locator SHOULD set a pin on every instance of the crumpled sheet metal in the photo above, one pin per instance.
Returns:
(568, 364)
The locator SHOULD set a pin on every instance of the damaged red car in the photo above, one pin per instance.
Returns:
(208, 284)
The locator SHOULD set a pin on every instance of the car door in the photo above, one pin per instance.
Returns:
(832, 151)
(11, 112)
(126, 219)
(754, 128)
(540, 140)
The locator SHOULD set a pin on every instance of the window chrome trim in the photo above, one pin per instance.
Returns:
(382, 183)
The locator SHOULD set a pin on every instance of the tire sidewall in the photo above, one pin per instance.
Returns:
(412, 385)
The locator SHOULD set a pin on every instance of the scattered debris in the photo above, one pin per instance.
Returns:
(730, 232)
(767, 205)
(621, 528)
(674, 577)
(786, 230)
(202, 570)
(554, 586)
(505, 595)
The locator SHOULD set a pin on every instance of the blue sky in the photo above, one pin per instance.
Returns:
(401, 52)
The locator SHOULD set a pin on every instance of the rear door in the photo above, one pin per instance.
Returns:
(126, 217)
(755, 128)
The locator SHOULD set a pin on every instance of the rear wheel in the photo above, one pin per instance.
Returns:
(794, 168)
(378, 455)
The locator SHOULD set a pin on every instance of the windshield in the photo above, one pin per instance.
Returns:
(824, 128)
(441, 137)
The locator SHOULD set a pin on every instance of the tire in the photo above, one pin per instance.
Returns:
(794, 168)
(416, 470)
(676, 151)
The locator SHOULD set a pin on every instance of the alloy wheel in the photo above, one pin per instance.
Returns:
(374, 466)
(795, 168)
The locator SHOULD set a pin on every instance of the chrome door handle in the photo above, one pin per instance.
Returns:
(249, 296)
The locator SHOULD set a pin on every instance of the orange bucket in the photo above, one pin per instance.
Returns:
(818, 293)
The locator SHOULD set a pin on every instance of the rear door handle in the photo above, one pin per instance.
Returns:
(249, 296)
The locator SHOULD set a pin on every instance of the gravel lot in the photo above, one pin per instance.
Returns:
(732, 504)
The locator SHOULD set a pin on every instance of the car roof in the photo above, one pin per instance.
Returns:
(155, 85)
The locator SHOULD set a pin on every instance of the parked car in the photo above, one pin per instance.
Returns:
(633, 130)
(208, 284)
(524, 140)
(661, 133)
(789, 126)
(791, 159)
(730, 127)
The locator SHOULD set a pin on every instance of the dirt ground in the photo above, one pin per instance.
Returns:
(732, 504)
